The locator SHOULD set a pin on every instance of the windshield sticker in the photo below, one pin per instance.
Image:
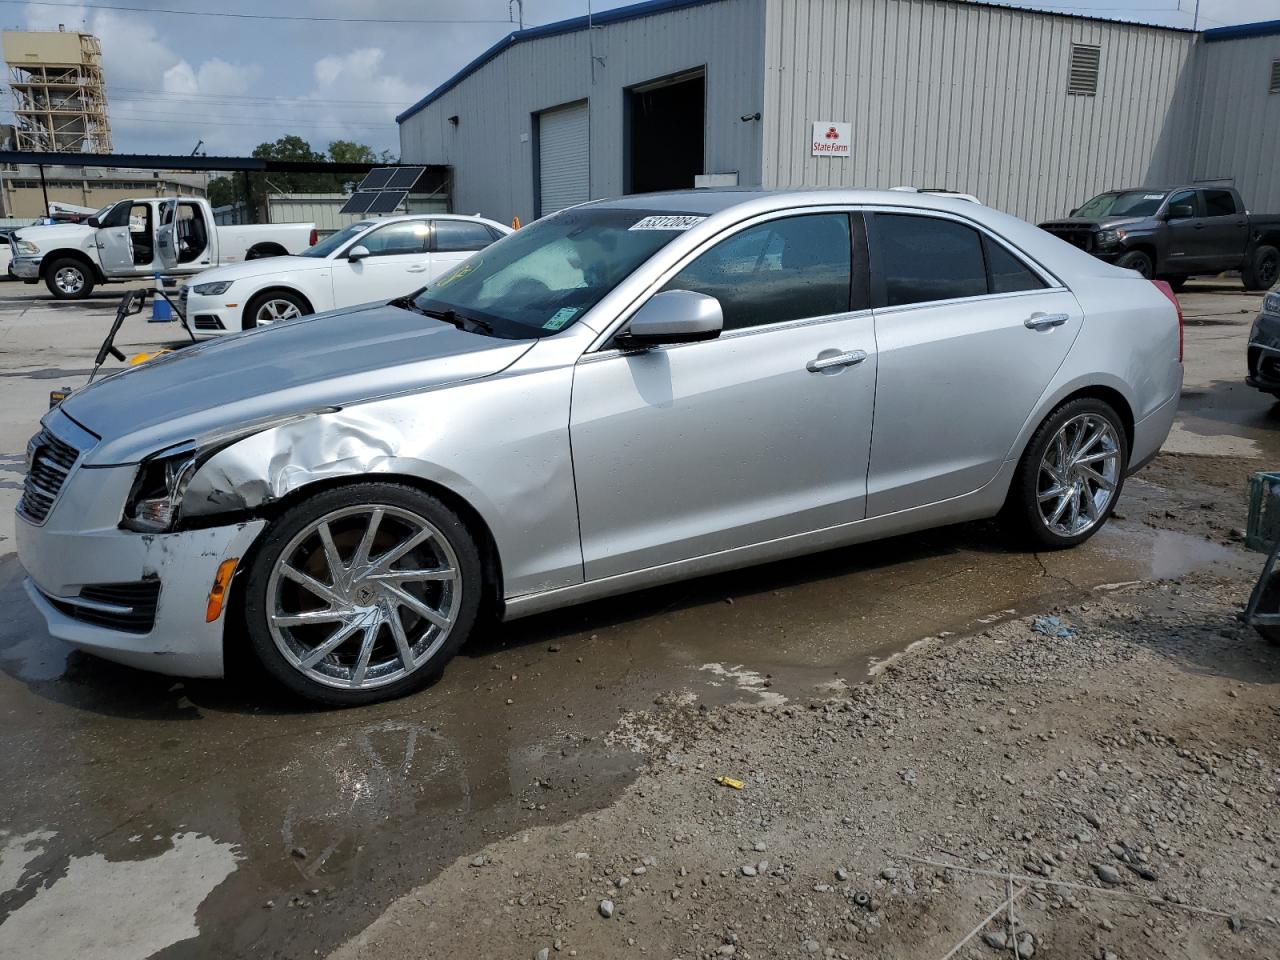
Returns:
(560, 318)
(666, 223)
(461, 272)
(1153, 196)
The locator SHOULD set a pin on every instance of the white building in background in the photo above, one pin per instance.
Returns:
(1032, 112)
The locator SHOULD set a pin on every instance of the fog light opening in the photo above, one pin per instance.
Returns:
(221, 584)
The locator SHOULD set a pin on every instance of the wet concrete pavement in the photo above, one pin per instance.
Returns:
(147, 816)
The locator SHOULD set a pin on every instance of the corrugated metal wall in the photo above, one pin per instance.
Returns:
(974, 99)
(1239, 135)
(491, 148)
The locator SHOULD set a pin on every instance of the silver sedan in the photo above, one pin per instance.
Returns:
(627, 393)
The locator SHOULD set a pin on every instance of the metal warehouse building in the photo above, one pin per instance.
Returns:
(1032, 112)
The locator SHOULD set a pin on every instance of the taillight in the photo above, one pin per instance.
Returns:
(314, 237)
(1173, 298)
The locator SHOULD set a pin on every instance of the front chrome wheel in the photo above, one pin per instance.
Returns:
(1079, 475)
(69, 280)
(363, 596)
(275, 310)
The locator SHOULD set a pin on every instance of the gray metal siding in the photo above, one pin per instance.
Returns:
(1239, 138)
(491, 148)
(944, 94)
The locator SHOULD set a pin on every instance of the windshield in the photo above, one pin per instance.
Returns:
(1122, 203)
(543, 278)
(335, 241)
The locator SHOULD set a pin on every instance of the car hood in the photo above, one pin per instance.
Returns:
(259, 268)
(46, 235)
(329, 359)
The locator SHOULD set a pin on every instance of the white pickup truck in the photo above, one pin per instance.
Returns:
(138, 238)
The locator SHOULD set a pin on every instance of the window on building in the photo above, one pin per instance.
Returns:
(786, 269)
(920, 259)
(456, 235)
(1219, 203)
(1006, 273)
(1082, 77)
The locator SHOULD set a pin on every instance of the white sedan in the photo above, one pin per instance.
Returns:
(366, 261)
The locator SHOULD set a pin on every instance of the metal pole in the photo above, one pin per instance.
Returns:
(1195, 19)
(248, 195)
(44, 190)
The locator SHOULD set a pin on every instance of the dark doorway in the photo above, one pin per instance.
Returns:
(666, 130)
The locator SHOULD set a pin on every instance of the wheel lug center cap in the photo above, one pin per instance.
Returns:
(365, 595)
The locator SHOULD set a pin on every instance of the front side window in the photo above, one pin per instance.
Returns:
(917, 259)
(460, 235)
(544, 277)
(1219, 203)
(1182, 205)
(787, 269)
(407, 236)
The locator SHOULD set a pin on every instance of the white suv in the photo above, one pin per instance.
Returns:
(366, 261)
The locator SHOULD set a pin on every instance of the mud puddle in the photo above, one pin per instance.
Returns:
(318, 819)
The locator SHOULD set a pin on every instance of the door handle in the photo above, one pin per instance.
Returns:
(1045, 321)
(417, 269)
(850, 359)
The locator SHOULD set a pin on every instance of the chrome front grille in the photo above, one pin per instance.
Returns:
(49, 461)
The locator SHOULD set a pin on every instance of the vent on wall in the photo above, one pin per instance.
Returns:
(1275, 76)
(1083, 79)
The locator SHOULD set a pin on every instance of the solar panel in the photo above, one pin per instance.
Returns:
(403, 178)
(387, 201)
(376, 179)
(359, 202)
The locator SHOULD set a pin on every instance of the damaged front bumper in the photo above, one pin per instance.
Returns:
(134, 598)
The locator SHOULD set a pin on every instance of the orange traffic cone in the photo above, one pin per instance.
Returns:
(515, 223)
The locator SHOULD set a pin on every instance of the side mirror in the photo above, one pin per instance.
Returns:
(358, 252)
(1183, 211)
(673, 316)
(93, 222)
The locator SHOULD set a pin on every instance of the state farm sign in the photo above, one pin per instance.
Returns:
(830, 139)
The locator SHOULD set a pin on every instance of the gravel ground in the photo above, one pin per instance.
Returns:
(1114, 763)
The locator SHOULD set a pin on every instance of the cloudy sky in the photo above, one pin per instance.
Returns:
(174, 79)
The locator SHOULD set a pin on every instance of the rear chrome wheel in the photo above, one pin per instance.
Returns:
(1079, 475)
(362, 593)
(1070, 476)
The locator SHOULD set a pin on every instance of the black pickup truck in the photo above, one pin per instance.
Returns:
(1172, 233)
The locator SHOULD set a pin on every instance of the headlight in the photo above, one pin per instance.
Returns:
(1271, 303)
(26, 246)
(212, 289)
(155, 501)
(1108, 238)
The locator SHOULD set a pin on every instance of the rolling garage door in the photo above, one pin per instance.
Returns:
(563, 165)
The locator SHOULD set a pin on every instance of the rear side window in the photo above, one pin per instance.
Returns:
(787, 269)
(455, 235)
(1008, 274)
(1219, 203)
(919, 259)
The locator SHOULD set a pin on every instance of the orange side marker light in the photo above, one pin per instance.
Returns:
(221, 583)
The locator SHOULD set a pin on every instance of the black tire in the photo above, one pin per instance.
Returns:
(1138, 260)
(294, 522)
(1262, 270)
(58, 273)
(1021, 513)
(250, 320)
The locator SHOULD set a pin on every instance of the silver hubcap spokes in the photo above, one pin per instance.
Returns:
(273, 311)
(69, 280)
(363, 597)
(1078, 475)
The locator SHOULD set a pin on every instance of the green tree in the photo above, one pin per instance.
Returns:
(224, 190)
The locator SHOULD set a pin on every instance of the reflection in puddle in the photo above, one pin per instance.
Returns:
(120, 909)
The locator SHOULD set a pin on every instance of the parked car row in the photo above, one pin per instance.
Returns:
(625, 393)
